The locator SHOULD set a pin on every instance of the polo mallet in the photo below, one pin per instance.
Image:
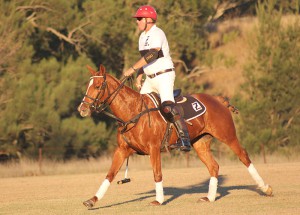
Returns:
(125, 180)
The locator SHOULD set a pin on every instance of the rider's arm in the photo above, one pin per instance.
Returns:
(149, 57)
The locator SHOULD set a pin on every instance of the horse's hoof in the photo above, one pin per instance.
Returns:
(269, 191)
(155, 203)
(90, 203)
(203, 199)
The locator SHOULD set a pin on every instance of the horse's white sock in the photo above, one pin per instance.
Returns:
(212, 189)
(259, 181)
(103, 188)
(159, 192)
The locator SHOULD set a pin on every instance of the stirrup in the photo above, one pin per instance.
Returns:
(174, 146)
(185, 144)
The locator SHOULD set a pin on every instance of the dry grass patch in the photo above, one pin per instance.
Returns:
(63, 194)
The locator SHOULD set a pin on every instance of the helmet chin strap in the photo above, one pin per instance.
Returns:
(146, 24)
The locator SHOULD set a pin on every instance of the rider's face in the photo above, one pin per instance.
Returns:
(141, 22)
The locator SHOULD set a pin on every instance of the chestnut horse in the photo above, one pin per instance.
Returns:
(142, 129)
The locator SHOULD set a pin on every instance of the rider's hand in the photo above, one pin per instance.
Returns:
(138, 85)
(129, 72)
(138, 82)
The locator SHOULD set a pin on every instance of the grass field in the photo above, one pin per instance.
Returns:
(64, 193)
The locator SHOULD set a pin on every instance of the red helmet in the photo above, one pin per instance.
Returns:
(146, 11)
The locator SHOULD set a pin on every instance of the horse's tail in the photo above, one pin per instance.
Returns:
(225, 102)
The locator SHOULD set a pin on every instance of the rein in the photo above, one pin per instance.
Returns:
(100, 108)
(103, 105)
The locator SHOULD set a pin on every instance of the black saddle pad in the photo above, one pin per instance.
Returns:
(191, 106)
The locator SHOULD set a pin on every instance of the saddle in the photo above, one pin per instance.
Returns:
(190, 106)
(190, 109)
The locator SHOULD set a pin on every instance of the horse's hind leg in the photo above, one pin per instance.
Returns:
(244, 158)
(119, 157)
(202, 148)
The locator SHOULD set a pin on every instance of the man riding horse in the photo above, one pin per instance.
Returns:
(157, 64)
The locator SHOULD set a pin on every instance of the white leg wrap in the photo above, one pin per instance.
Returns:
(212, 189)
(259, 181)
(159, 192)
(103, 188)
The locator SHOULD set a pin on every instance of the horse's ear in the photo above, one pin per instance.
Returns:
(92, 71)
(102, 69)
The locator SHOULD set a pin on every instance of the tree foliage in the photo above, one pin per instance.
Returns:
(271, 112)
(44, 49)
(45, 46)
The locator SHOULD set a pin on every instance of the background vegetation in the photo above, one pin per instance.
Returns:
(45, 46)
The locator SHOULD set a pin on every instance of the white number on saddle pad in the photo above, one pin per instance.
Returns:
(196, 106)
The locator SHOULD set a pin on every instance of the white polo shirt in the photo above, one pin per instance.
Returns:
(156, 38)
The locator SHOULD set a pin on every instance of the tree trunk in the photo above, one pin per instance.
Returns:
(40, 159)
(263, 152)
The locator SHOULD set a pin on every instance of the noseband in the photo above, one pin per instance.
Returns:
(98, 105)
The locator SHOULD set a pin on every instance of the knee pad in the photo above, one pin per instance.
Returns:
(168, 110)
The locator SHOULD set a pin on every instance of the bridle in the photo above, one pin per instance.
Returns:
(98, 105)
(101, 91)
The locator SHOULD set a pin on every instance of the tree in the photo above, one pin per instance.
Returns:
(59, 27)
(42, 78)
(44, 47)
(270, 116)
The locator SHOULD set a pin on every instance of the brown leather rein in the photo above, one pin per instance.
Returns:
(102, 105)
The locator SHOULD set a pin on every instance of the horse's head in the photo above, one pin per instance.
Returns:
(94, 93)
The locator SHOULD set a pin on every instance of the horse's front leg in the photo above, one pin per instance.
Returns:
(119, 157)
(155, 159)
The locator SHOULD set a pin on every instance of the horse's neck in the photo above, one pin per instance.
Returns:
(126, 102)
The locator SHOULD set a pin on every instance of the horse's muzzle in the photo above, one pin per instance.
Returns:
(84, 111)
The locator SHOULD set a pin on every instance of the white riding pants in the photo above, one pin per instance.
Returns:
(162, 84)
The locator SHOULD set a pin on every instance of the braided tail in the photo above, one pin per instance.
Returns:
(225, 102)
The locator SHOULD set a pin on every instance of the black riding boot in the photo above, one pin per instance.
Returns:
(184, 138)
(171, 112)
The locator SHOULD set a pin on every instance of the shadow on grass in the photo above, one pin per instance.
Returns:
(201, 188)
